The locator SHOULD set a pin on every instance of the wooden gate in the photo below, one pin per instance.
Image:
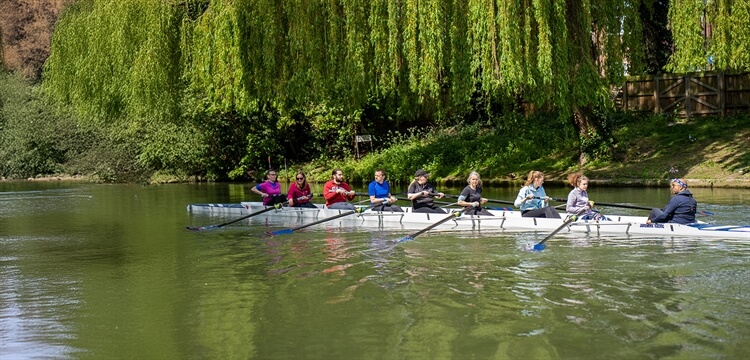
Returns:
(688, 95)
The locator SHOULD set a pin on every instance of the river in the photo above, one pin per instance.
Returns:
(110, 272)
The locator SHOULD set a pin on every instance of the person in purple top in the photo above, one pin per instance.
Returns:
(578, 198)
(269, 190)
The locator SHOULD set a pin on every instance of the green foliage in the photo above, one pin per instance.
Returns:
(34, 139)
(215, 87)
(729, 43)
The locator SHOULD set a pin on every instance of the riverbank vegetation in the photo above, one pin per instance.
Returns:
(219, 90)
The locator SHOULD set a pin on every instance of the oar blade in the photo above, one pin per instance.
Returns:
(201, 228)
(280, 232)
(405, 239)
(538, 247)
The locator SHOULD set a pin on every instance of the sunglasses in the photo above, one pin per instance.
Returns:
(300, 178)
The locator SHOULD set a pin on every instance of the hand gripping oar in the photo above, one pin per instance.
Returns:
(454, 214)
(209, 227)
(291, 230)
(540, 245)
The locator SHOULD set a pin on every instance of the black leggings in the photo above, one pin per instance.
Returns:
(546, 212)
(427, 209)
(306, 205)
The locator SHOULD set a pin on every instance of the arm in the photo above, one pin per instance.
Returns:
(544, 202)
(668, 211)
(412, 193)
(522, 197)
(256, 189)
(290, 194)
(348, 193)
(327, 193)
(372, 191)
(570, 206)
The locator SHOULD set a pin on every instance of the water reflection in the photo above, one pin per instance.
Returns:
(116, 275)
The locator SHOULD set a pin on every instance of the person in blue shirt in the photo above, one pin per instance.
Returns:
(681, 207)
(532, 200)
(380, 194)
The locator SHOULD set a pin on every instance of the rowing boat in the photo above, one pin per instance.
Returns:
(503, 220)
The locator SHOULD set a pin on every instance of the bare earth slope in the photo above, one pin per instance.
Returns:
(26, 33)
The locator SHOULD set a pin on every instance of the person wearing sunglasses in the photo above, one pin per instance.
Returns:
(337, 192)
(269, 190)
(681, 207)
(299, 194)
(380, 194)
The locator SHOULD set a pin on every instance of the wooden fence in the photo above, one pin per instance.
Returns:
(687, 95)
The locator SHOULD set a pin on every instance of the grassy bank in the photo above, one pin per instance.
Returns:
(647, 150)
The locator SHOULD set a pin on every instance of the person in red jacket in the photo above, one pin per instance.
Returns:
(299, 194)
(337, 192)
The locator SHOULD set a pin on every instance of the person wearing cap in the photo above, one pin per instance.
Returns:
(471, 196)
(380, 194)
(269, 190)
(338, 193)
(532, 200)
(421, 194)
(681, 207)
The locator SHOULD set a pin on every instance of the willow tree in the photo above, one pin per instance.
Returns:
(710, 31)
(239, 75)
(118, 64)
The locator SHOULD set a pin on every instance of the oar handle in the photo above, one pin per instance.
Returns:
(626, 206)
(488, 200)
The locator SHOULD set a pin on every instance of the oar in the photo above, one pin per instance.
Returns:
(604, 204)
(209, 227)
(454, 214)
(540, 245)
(699, 212)
(488, 200)
(291, 230)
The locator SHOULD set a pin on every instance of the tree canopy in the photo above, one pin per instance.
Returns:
(300, 77)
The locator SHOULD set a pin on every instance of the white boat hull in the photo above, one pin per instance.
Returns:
(503, 220)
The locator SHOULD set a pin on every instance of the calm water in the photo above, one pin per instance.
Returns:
(109, 271)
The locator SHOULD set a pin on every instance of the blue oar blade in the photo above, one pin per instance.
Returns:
(280, 232)
(538, 247)
(705, 213)
(406, 238)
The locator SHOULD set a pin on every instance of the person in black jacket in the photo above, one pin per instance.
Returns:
(680, 209)
(421, 193)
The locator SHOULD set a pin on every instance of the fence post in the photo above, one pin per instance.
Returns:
(722, 92)
(686, 81)
(657, 96)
